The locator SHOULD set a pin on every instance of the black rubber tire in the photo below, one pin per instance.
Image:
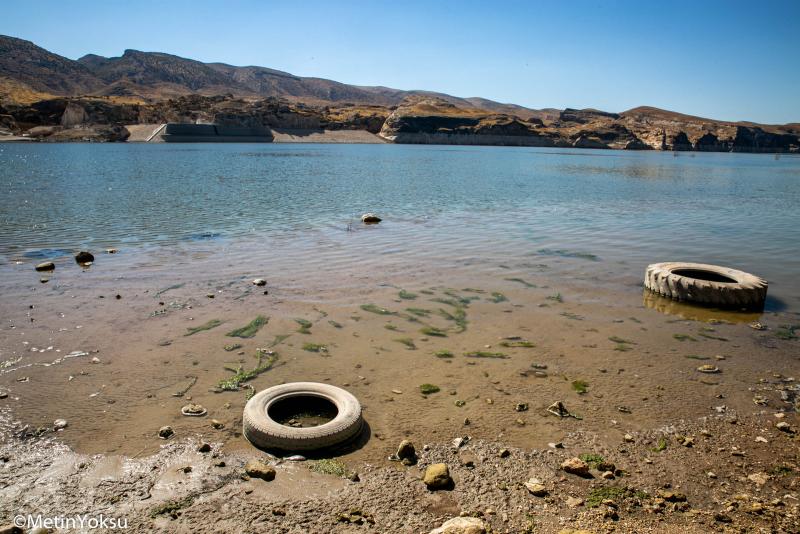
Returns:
(264, 432)
(744, 291)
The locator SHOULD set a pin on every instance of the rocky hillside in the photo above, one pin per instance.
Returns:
(43, 96)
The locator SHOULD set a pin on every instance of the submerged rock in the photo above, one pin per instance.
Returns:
(370, 218)
(437, 476)
(46, 266)
(83, 257)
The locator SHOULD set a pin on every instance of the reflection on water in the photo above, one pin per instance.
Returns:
(457, 204)
(695, 312)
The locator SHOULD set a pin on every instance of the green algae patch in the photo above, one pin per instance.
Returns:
(170, 507)
(617, 339)
(459, 317)
(684, 337)
(213, 323)
(407, 295)
(556, 297)
(613, 493)
(250, 329)
(335, 324)
(622, 347)
(280, 338)
(786, 332)
(329, 466)
(520, 281)
(390, 326)
(433, 331)
(232, 347)
(593, 460)
(517, 343)
(697, 357)
(497, 298)
(443, 354)
(661, 446)
(427, 389)
(484, 354)
(570, 315)
(419, 312)
(266, 359)
(372, 308)
(407, 341)
(305, 325)
(580, 387)
(315, 347)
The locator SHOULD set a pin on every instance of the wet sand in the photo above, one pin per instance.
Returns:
(587, 321)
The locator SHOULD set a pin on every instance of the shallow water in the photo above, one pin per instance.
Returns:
(440, 204)
(562, 236)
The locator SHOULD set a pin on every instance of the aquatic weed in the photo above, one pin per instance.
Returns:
(443, 354)
(568, 254)
(315, 347)
(497, 298)
(521, 281)
(617, 339)
(305, 325)
(372, 308)
(520, 343)
(557, 297)
(329, 466)
(580, 386)
(573, 316)
(213, 323)
(485, 354)
(433, 331)
(407, 295)
(233, 347)
(407, 341)
(266, 359)
(250, 329)
(684, 337)
(593, 460)
(427, 389)
(335, 324)
(420, 312)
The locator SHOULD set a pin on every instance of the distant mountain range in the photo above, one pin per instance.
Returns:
(152, 76)
(45, 96)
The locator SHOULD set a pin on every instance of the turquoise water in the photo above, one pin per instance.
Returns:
(632, 208)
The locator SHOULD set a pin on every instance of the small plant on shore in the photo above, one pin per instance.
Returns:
(433, 331)
(497, 298)
(305, 326)
(593, 460)
(329, 466)
(485, 354)
(407, 341)
(250, 329)
(613, 493)
(213, 323)
(556, 297)
(407, 295)
(661, 446)
(315, 347)
(580, 386)
(443, 354)
(427, 389)
(459, 317)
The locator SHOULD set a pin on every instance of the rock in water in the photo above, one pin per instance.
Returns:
(437, 476)
(46, 266)
(84, 257)
(258, 469)
(461, 525)
(259, 282)
(165, 432)
(370, 218)
(407, 453)
(575, 466)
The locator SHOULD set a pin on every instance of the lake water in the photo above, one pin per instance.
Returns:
(442, 206)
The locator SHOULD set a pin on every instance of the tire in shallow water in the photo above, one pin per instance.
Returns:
(711, 285)
(266, 433)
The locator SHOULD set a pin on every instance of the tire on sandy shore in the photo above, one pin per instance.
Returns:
(710, 285)
(264, 432)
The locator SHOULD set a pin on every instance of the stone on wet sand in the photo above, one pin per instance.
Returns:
(46, 266)
(536, 488)
(165, 432)
(59, 424)
(193, 410)
(574, 502)
(259, 282)
(437, 476)
(217, 424)
(407, 453)
(575, 466)
(258, 469)
(461, 525)
(204, 447)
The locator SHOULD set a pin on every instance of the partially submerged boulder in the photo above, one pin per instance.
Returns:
(370, 218)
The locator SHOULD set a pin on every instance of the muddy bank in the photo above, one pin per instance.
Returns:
(722, 472)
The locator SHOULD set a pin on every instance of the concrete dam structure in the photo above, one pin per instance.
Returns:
(215, 133)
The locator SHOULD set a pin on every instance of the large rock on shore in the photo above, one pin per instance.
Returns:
(437, 476)
(461, 525)
(258, 469)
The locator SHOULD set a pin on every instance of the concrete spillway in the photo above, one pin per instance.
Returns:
(215, 133)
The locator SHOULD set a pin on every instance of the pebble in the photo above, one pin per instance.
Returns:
(165, 432)
(504, 453)
(259, 282)
(59, 424)
(258, 469)
(406, 452)
(536, 488)
(628, 438)
(193, 410)
(204, 447)
(46, 266)
(217, 424)
(575, 466)
(783, 426)
(461, 525)
(574, 502)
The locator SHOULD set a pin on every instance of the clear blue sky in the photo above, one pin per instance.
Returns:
(733, 60)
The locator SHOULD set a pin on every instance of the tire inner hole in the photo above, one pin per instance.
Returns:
(301, 411)
(709, 276)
